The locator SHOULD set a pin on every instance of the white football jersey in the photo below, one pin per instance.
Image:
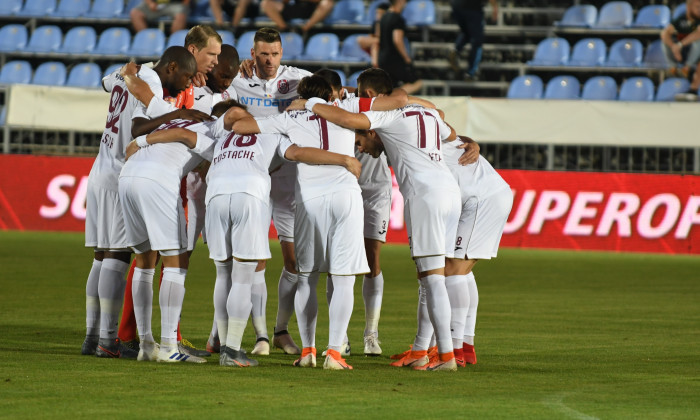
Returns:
(307, 129)
(412, 136)
(478, 179)
(117, 133)
(205, 99)
(247, 160)
(375, 173)
(269, 97)
(168, 163)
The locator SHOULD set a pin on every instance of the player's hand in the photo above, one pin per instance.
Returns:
(193, 115)
(297, 105)
(471, 151)
(129, 69)
(247, 68)
(199, 79)
(131, 148)
(354, 166)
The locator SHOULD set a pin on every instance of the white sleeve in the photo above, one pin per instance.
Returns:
(379, 119)
(273, 124)
(350, 105)
(284, 144)
(216, 129)
(204, 147)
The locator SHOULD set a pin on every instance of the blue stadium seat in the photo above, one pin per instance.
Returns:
(352, 79)
(351, 51)
(343, 78)
(615, 15)
(245, 43)
(551, 52)
(528, 86)
(38, 8)
(200, 12)
(227, 37)
(148, 42)
(45, 39)
(113, 41)
(639, 88)
(106, 9)
(346, 11)
(679, 11)
(13, 37)
(670, 87)
(626, 52)
(600, 88)
(86, 75)
(72, 8)
(419, 13)
(562, 87)
(654, 56)
(653, 16)
(322, 47)
(10, 7)
(79, 40)
(177, 39)
(292, 44)
(588, 52)
(109, 70)
(51, 73)
(18, 71)
(583, 16)
(129, 4)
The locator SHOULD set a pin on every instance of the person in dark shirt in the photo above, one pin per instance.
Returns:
(469, 15)
(681, 40)
(393, 56)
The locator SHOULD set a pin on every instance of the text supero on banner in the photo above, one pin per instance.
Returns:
(604, 211)
(565, 210)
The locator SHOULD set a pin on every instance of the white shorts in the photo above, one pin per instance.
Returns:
(328, 234)
(283, 183)
(196, 193)
(481, 225)
(377, 206)
(431, 222)
(104, 221)
(237, 226)
(152, 213)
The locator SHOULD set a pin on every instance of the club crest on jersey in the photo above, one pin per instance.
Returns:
(225, 95)
(283, 86)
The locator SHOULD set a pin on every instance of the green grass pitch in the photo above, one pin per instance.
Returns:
(578, 335)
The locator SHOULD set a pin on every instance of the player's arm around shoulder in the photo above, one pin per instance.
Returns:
(314, 156)
(397, 99)
(336, 115)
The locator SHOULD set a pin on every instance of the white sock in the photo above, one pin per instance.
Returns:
(92, 300)
(439, 310)
(458, 293)
(142, 294)
(259, 301)
(222, 287)
(172, 294)
(329, 298)
(372, 291)
(286, 289)
(306, 307)
(470, 326)
(340, 310)
(425, 328)
(239, 302)
(111, 291)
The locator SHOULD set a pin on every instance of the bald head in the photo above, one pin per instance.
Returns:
(221, 76)
(179, 55)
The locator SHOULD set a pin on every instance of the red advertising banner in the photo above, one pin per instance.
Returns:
(562, 210)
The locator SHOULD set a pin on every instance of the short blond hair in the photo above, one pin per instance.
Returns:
(199, 36)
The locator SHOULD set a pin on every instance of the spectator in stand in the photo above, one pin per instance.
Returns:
(237, 9)
(681, 40)
(393, 57)
(469, 15)
(370, 43)
(282, 11)
(150, 11)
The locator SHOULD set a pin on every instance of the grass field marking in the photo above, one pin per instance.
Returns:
(556, 403)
